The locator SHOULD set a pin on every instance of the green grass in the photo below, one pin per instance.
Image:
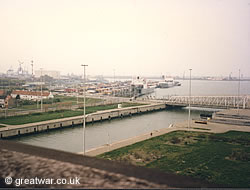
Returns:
(74, 99)
(63, 99)
(37, 117)
(100, 108)
(109, 106)
(128, 104)
(217, 158)
(2, 126)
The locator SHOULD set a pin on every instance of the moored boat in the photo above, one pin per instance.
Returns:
(141, 87)
(167, 83)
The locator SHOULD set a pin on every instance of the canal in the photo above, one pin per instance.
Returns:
(100, 133)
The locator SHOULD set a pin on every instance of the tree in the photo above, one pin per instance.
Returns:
(18, 97)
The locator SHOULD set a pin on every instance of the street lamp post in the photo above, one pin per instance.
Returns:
(76, 87)
(41, 91)
(114, 92)
(32, 76)
(189, 101)
(77, 95)
(84, 112)
(238, 106)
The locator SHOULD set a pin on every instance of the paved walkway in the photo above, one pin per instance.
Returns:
(235, 112)
(209, 127)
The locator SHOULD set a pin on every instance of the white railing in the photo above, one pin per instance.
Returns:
(214, 101)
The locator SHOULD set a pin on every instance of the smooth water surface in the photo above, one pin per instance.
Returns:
(206, 88)
(100, 133)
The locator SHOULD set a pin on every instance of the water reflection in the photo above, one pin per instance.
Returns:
(97, 134)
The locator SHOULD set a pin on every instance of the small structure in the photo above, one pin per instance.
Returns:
(6, 100)
(70, 90)
(53, 74)
(31, 95)
(2, 101)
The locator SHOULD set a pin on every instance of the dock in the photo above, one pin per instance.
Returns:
(210, 127)
(18, 130)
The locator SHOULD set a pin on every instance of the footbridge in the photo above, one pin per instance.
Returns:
(242, 102)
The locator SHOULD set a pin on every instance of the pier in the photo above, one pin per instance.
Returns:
(18, 130)
(212, 126)
(223, 102)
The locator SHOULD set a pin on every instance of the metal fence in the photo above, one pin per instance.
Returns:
(213, 101)
(56, 107)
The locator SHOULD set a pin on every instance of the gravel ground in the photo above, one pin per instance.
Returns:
(19, 165)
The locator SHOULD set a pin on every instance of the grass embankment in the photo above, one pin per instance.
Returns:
(74, 99)
(37, 117)
(217, 158)
(59, 101)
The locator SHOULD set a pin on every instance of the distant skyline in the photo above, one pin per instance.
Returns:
(127, 37)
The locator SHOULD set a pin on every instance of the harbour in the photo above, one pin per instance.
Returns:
(118, 128)
(107, 132)
(125, 94)
(10, 130)
(229, 121)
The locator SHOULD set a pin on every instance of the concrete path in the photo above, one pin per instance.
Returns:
(126, 142)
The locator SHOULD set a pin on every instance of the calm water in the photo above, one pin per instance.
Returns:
(206, 88)
(98, 134)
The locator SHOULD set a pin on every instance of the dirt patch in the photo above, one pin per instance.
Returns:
(182, 141)
(240, 155)
(139, 157)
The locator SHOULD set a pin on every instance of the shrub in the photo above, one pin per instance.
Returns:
(203, 136)
(137, 155)
(240, 155)
(175, 140)
(27, 102)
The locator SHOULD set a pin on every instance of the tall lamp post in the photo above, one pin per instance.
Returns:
(32, 76)
(238, 106)
(77, 94)
(84, 112)
(189, 101)
(41, 90)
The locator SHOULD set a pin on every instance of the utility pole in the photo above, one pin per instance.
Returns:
(189, 101)
(84, 111)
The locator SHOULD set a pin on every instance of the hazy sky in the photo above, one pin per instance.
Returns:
(132, 37)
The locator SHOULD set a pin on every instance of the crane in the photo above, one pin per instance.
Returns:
(20, 70)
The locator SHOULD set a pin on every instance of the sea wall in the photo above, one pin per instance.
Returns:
(18, 130)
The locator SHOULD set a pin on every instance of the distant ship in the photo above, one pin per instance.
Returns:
(141, 87)
(167, 83)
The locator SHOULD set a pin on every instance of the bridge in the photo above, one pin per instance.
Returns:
(242, 102)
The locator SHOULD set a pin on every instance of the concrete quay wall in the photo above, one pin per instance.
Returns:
(18, 130)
